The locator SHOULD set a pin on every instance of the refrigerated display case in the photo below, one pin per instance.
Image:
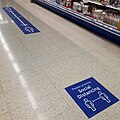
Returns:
(100, 18)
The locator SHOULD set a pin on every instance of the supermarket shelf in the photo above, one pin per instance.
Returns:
(94, 2)
(115, 8)
(108, 6)
(97, 27)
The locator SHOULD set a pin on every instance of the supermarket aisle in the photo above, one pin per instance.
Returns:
(35, 69)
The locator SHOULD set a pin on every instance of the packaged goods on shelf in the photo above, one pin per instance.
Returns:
(76, 5)
(85, 9)
(101, 19)
(118, 27)
(104, 2)
(99, 10)
(97, 13)
(68, 3)
(115, 2)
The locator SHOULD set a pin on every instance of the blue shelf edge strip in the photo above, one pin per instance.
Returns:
(96, 27)
(25, 26)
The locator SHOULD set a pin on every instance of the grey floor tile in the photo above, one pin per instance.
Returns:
(52, 105)
(3, 104)
(35, 69)
(5, 116)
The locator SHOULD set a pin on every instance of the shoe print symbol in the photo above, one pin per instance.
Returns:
(90, 104)
(29, 29)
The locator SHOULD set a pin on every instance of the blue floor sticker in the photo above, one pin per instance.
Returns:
(91, 96)
(20, 21)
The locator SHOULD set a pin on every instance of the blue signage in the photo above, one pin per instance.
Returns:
(20, 21)
(91, 96)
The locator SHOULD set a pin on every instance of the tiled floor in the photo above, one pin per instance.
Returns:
(35, 69)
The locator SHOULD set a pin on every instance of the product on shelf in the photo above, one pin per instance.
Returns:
(118, 27)
(97, 13)
(80, 7)
(68, 3)
(76, 6)
(105, 2)
(115, 2)
(107, 16)
(61, 2)
(85, 9)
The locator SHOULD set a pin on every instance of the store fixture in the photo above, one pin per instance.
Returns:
(101, 17)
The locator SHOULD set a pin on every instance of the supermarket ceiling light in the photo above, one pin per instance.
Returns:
(5, 22)
(32, 99)
(23, 82)
(4, 43)
(6, 47)
(2, 40)
(10, 56)
(2, 21)
(17, 69)
(28, 92)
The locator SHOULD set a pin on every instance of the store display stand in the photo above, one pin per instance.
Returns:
(97, 27)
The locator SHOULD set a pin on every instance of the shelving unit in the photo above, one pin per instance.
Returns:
(107, 6)
(93, 25)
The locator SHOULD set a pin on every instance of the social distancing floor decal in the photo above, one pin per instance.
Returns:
(91, 96)
(20, 21)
